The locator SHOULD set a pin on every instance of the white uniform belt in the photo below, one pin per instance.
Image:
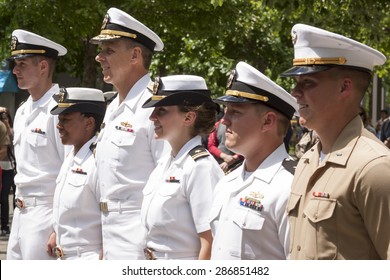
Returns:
(62, 252)
(32, 201)
(151, 254)
(117, 206)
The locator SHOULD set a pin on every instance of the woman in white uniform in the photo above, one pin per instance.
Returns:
(178, 195)
(76, 212)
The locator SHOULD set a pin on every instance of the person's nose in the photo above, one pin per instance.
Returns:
(296, 92)
(15, 70)
(153, 116)
(100, 57)
(226, 120)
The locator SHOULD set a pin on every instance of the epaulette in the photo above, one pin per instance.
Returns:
(290, 164)
(198, 152)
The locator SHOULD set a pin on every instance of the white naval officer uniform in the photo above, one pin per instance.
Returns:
(177, 200)
(248, 217)
(76, 211)
(39, 155)
(126, 154)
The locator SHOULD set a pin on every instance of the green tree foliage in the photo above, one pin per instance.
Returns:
(202, 37)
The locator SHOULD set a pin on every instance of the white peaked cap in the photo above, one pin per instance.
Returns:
(247, 84)
(117, 24)
(25, 43)
(316, 50)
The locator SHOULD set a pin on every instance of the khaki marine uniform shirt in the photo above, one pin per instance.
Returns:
(340, 208)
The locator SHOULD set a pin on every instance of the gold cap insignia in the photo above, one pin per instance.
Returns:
(156, 85)
(14, 42)
(294, 37)
(61, 95)
(231, 78)
(105, 21)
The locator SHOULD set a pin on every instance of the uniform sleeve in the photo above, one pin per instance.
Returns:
(282, 222)
(372, 195)
(199, 190)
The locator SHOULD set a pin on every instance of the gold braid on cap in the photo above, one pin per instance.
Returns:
(65, 105)
(27, 52)
(118, 33)
(247, 95)
(319, 60)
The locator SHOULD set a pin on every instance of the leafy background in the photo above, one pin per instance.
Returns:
(202, 37)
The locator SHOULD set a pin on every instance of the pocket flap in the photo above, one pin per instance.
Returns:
(293, 202)
(123, 138)
(247, 219)
(77, 180)
(319, 209)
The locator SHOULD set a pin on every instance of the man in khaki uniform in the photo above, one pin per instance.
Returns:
(339, 206)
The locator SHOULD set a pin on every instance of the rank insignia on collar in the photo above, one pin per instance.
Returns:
(79, 171)
(172, 179)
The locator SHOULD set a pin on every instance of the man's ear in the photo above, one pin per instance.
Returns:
(346, 85)
(136, 53)
(269, 120)
(44, 65)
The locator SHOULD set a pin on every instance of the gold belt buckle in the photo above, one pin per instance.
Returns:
(58, 252)
(149, 255)
(103, 206)
(19, 203)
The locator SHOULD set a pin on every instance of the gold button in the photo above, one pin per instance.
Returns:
(298, 247)
(303, 215)
(315, 216)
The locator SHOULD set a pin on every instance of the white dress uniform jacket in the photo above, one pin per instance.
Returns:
(76, 212)
(248, 218)
(177, 200)
(39, 155)
(126, 154)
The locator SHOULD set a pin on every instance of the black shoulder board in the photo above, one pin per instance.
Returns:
(290, 164)
(198, 152)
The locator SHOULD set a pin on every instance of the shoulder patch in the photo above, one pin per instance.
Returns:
(290, 165)
(198, 152)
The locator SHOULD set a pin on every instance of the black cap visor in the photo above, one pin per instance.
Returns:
(98, 108)
(304, 70)
(179, 98)
(233, 99)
